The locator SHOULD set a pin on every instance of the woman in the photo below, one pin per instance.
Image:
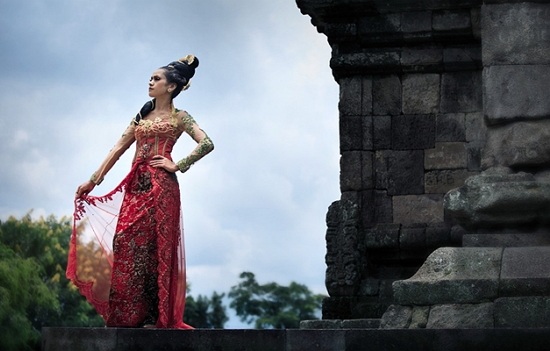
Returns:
(139, 280)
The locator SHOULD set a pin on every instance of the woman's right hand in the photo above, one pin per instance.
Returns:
(84, 189)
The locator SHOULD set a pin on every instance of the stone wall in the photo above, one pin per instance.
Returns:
(411, 129)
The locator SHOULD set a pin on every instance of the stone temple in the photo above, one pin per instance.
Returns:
(441, 237)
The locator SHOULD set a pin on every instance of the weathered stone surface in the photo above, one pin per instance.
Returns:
(499, 199)
(386, 92)
(462, 58)
(411, 132)
(440, 182)
(412, 236)
(453, 275)
(525, 271)
(517, 145)
(517, 33)
(418, 21)
(461, 92)
(342, 258)
(438, 234)
(356, 171)
(476, 129)
(396, 317)
(450, 127)
(419, 318)
(516, 92)
(421, 93)
(399, 172)
(451, 20)
(505, 240)
(351, 96)
(77, 339)
(451, 155)
(410, 209)
(460, 316)
(382, 237)
(367, 323)
(522, 312)
(382, 132)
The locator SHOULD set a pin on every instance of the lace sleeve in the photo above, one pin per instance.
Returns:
(125, 141)
(204, 143)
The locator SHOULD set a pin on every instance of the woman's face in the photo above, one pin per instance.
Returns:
(158, 85)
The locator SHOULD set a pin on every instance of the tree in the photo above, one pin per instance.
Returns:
(272, 305)
(205, 312)
(34, 291)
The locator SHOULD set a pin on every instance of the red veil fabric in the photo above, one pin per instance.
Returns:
(126, 253)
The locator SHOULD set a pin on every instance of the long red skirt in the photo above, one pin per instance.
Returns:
(126, 253)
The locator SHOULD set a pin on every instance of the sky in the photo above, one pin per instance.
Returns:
(73, 73)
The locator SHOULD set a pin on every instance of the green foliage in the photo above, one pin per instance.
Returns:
(205, 312)
(272, 305)
(34, 291)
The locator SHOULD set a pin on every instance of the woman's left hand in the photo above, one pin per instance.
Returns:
(163, 162)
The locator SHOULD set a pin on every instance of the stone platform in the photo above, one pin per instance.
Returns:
(109, 339)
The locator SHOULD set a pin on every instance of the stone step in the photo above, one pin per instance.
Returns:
(132, 339)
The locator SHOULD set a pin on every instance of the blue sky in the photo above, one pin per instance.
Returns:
(74, 72)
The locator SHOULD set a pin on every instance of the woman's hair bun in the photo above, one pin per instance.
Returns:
(190, 60)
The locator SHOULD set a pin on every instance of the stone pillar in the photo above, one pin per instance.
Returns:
(501, 277)
(513, 193)
(411, 129)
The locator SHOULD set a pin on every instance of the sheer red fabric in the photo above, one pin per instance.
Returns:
(126, 253)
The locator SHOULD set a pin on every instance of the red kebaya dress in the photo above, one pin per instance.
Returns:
(126, 253)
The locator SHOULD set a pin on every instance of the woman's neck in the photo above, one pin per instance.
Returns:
(164, 105)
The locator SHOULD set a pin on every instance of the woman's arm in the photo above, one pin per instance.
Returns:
(204, 143)
(114, 154)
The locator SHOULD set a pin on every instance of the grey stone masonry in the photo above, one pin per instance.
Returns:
(411, 129)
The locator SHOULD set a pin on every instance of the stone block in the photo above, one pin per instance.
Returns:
(461, 316)
(422, 57)
(351, 96)
(386, 92)
(454, 20)
(450, 127)
(383, 210)
(525, 271)
(522, 312)
(441, 181)
(351, 133)
(462, 58)
(382, 132)
(356, 171)
(461, 92)
(446, 155)
(371, 61)
(519, 145)
(396, 317)
(413, 132)
(517, 33)
(382, 237)
(438, 234)
(474, 152)
(453, 275)
(516, 92)
(412, 209)
(412, 236)
(399, 172)
(305, 340)
(419, 318)
(505, 240)
(494, 200)
(421, 93)
(417, 21)
(321, 324)
(476, 130)
(365, 323)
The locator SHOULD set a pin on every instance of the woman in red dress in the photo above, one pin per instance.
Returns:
(126, 252)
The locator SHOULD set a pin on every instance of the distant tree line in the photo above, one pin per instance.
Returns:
(35, 293)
